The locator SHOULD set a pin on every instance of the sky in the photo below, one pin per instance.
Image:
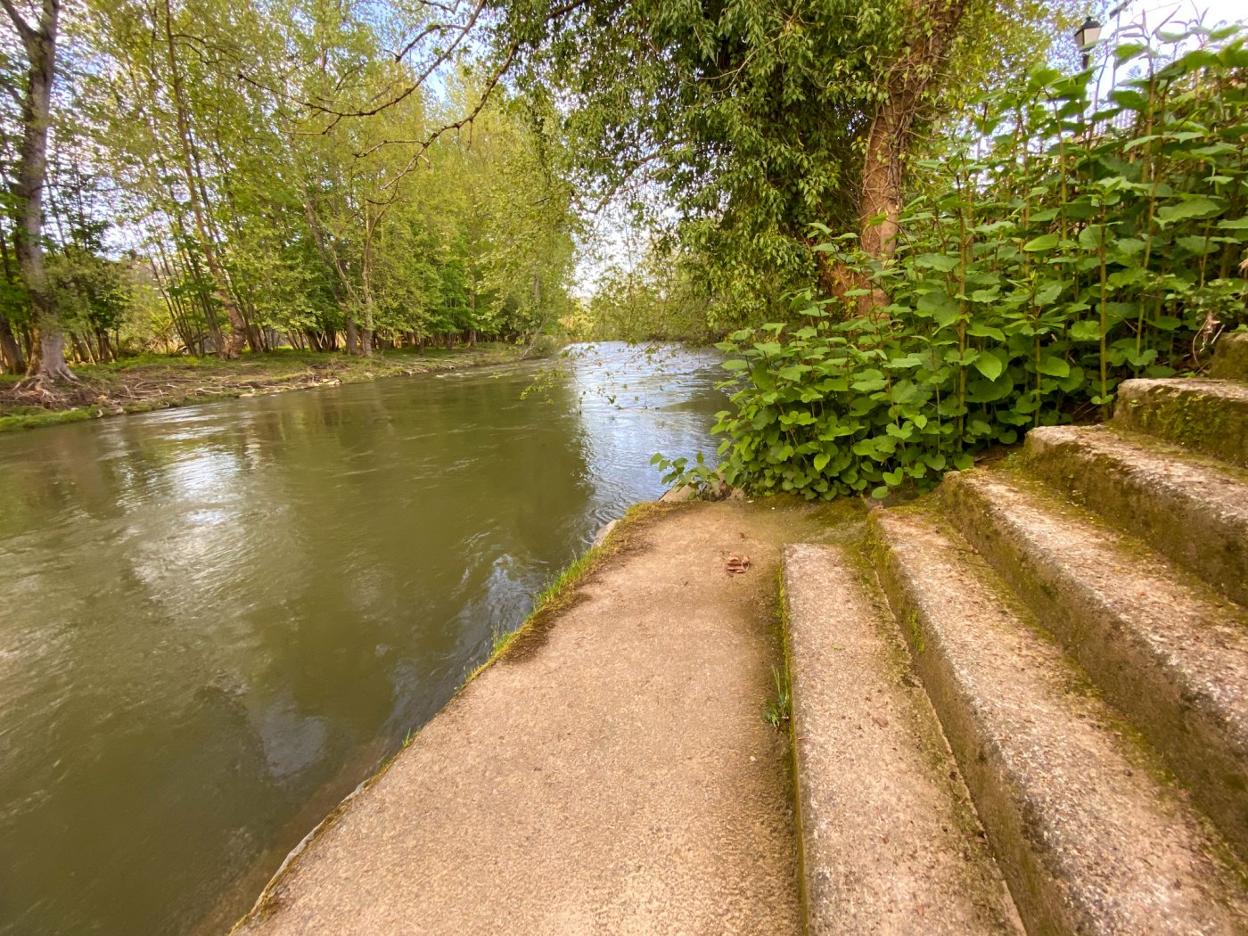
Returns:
(1228, 11)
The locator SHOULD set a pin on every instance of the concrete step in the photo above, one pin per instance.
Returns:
(1192, 508)
(1230, 357)
(889, 839)
(1166, 649)
(1209, 416)
(1090, 836)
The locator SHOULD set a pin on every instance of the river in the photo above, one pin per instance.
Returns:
(216, 621)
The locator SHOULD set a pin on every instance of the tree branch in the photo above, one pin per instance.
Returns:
(29, 36)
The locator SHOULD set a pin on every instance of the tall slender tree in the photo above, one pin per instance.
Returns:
(39, 42)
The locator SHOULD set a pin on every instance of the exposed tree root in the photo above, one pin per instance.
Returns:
(53, 391)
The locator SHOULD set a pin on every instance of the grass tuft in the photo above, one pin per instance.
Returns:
(778, 711)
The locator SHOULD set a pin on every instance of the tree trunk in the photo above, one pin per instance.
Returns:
(40, 43)
(82, 350)
(10, 352)
(106, 348)
(238, 327)
(930, 31)
(883, 165)
(352, 339)
(366, 287)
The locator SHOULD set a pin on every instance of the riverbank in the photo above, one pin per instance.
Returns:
(151, 382)
(274, 591)
(612, 771)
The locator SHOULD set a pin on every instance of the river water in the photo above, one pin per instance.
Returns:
(216, 621)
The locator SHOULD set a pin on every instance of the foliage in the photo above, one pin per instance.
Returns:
(1045, 257)
(203, 182)
(699, 476)
(749, 118)
(658, 300)
(778, 711)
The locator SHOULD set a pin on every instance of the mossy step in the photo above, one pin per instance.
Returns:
(1090, 837)
(890, 841)
(1192, 508)
(1166, 649)
(1209, 416)
(1230, 357)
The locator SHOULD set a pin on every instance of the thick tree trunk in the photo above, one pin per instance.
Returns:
(930, 31)
(40, 43)
(879, 206)
(352, 338)
(10, 350)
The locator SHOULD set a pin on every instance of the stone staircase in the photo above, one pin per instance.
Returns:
(1022, 704)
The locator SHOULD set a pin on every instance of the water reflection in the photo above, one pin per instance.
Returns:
(215, 621)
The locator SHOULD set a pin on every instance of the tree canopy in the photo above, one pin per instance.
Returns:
(754, 118)
(214, 183)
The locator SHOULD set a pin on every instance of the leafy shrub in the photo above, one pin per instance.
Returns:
(1045, 257)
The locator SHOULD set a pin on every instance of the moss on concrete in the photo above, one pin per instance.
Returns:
(1206, 416)
(1230, 357)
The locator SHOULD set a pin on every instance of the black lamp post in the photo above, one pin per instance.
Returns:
(1086, 37)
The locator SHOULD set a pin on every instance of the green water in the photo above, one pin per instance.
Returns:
(216, 621)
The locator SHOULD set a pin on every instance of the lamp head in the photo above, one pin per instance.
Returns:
(1087, 34)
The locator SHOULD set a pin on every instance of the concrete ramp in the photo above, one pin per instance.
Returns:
(611, 774)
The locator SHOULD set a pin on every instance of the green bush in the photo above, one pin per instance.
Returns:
(1046, 256)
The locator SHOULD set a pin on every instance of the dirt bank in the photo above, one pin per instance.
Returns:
(136, 385)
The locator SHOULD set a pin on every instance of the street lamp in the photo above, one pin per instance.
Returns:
(1086, 37)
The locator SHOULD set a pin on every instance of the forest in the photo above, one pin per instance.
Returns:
(183, 177)
(959, 179)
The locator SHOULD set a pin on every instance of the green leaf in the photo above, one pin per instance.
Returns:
(1197, 206)
(942, 262)
(1053, 366)
(990, 365)
(980, 330)
(1043, 242)
(1086, 330)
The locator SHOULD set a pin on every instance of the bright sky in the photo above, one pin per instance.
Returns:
(1225, 11)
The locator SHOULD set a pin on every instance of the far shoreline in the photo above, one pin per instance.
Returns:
(150, 382)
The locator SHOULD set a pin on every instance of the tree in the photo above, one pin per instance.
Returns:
(929, 31)
(40, 43)
(759, 118)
